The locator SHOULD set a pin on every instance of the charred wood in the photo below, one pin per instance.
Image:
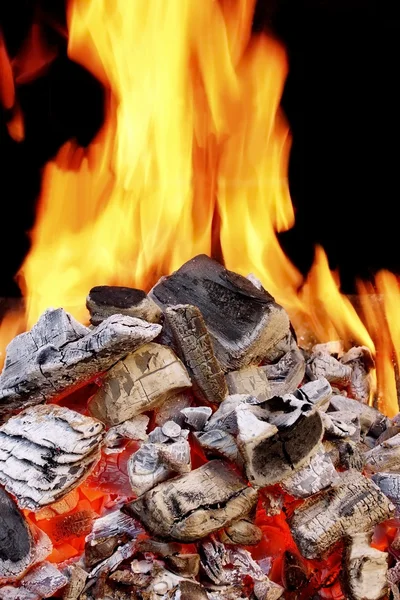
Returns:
(221, 444)
(138, 383)
(58, 352)
(365, 569)
(286, 375)
(242, 532)
(251, 381)
(44, 580)
(385, 457)
(192, 506)
(132, 429)
(76, 583)
(105, 301)
(225, 417)
(317, 392)
(350, 456)
(294, 575)
(342, 424)
(45, 452)
(371, 420)
(361, 362)
(171, 408)
(244, 323)
(270, 455)
(267, 590)
(389, 483)
(325, 365)
(353, 505)
(197, 416)
(195, 349)
(16, 540)
(316, 475)
(185, 565)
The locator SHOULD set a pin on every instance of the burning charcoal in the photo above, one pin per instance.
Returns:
(388, 433)
(77, 524)
(244, 323)
(157, 436)
(162, 584)
(267, 590)
(160, 548)
(225, 417)
(213, 559)
(393, 579)
(350, 457)
(242, 532)
(315, 476)
(322, 364)
(221, 444)
(334, 348)
(58, 352)
(126, 577)
(361, 362)
(252, 381)
(294, 575)
(8, 592)
(171, 409)
(45, 452)
(132, 429)
(154, 463)
(284, 412)
(385, 456)
(195, 349)
(192, 506)
(44, 580)
(317, 392)
(104, 301)
(197, 416)
(116, 523)
(365, 569)
(77, 580)
(16, 540)
(138, 383)
(287, 374)
(271, 455)
(341, 424)
(371, 420)
(389, 483)
(353, 505)
(185, 565)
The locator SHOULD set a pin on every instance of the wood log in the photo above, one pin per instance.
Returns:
(326, 365)
(58, 353)
(284, 412)
(44, 580)
(192, 506)
(244, 322)
(389, 483)
(287, 374)
(45, 452)
(197, 416)
(221, 444)
(316, 475)
(270, 455)
(350, 456)
(361, 362)
(77, 580)
(317, 392)
(16, 540)
(242, 532)
(365, 569)
(195, 349)
(138, 383)
(385, 457)
(114, 524)
(228, 565)
(251, 380)
(353, 505)
(105, 301)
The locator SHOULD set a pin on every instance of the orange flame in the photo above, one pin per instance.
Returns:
(192, 158)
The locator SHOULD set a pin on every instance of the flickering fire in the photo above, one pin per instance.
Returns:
(192, 158)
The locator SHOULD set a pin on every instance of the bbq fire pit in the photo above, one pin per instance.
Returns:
(183, 416)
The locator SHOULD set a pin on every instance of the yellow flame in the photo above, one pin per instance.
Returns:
(192, 157)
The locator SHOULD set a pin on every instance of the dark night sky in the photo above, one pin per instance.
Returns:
(341, 99)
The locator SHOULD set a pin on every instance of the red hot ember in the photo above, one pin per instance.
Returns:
(198, 454)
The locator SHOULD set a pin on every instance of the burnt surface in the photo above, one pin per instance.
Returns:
(15, 538)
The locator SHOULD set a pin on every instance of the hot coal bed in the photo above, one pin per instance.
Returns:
(185, 447)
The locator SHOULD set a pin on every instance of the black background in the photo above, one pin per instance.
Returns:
(341, 99)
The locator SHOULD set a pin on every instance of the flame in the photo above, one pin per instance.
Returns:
(192, 157)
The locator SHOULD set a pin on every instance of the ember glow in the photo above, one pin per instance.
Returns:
(192, 158)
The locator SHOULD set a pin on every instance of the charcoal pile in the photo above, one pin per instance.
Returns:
(252, 468)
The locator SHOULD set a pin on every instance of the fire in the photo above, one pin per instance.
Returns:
(192, 158)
